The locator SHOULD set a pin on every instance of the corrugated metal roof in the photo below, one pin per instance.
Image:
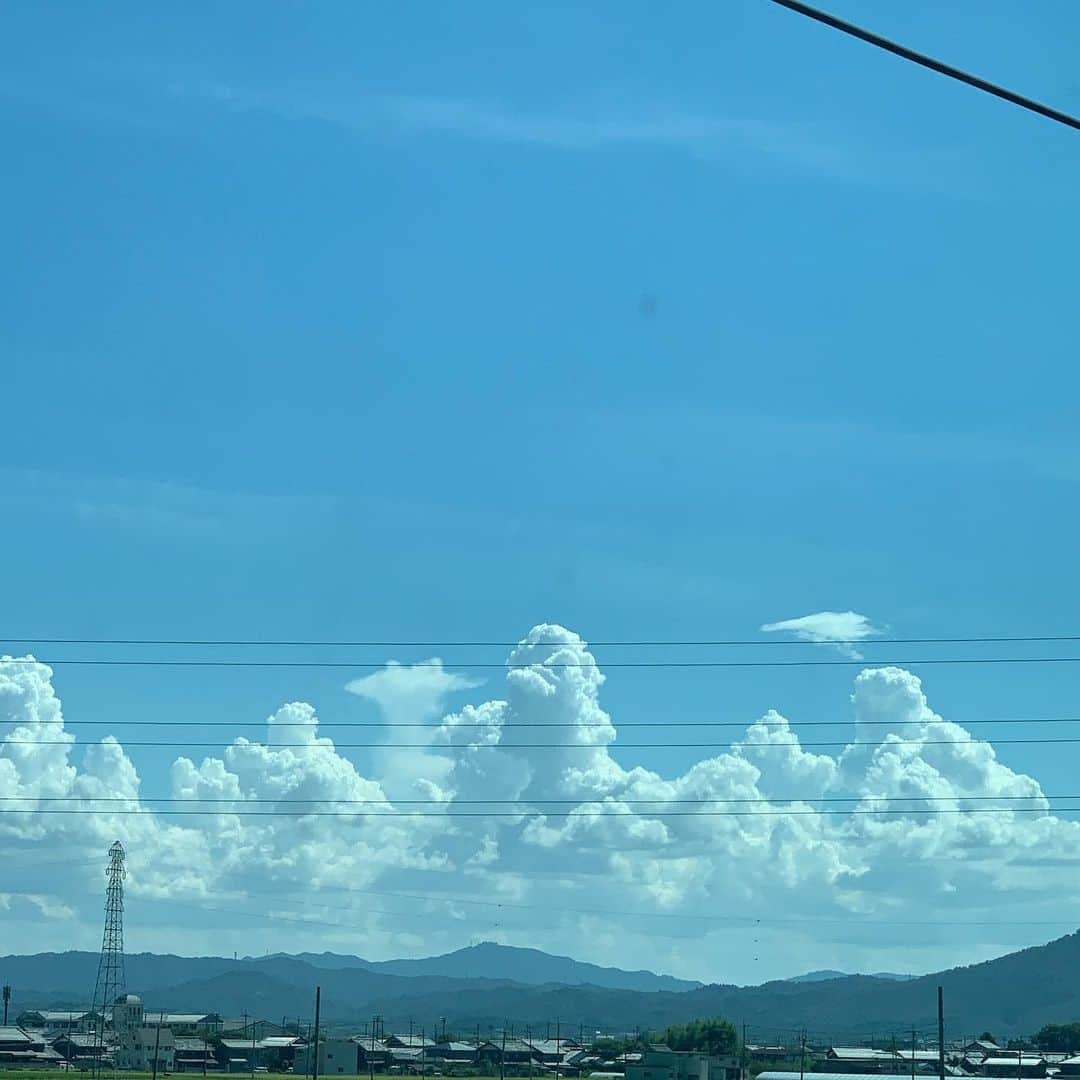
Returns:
(860, 1053)
(823, 1076)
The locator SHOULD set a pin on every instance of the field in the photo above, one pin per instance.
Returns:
(107, 1074)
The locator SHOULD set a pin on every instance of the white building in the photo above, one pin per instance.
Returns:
(138, 1043)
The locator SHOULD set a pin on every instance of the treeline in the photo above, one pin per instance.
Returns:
(714, 1035)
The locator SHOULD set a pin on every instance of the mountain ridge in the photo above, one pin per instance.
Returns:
(1011, 994)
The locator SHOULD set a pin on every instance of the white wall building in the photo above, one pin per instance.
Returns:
(138, 1043)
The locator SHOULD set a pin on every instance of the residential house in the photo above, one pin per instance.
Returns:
(193, 1054)
(1015, 1065)
(410, 1041)
(460, 1053)
(337, 1057)
(761, 1053)
(862, 1059)
(186, 1023)
(79, 1048)
(514, 1052)
(23, 1049)
(660, 1062)
(57, 1021)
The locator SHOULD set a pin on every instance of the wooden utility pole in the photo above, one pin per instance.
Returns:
(558, 1046)
(941, 1033)
(254, 1028)
(912, 1054)
(315, 1044)
(157, 1041)
(502, 1055)
(802, 1055)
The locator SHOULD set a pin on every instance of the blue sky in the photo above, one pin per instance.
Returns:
(396, 322)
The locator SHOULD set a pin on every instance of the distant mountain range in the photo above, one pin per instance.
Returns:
(489, 984)
(822, 976)
(489, 960)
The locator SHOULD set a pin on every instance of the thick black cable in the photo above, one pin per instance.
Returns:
(322, 643)
(539, 665)
(440, 747)
(925, 61)
(527, 803)
(517, 725)
(389, 816)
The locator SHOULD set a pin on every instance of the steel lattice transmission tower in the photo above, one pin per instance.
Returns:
(111, 980)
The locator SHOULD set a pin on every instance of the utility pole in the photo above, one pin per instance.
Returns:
(157, 1041)
(442, 1020)
(912, 1054)
(742, 1054)
(371, 1060)
(1020, 1060)
(315, 1044)
(558, 1046)
(254, 1028)
(7, 1001)
(941, 1033)
(802, 1055)
(502, 1055)
(423, 1051)
(528, 1041)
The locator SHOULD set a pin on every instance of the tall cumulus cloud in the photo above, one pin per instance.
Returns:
(512, 818)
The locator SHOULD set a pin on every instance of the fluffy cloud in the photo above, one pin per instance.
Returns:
(514, 818)
(839, 628)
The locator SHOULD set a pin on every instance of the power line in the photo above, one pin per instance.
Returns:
(440, 747)
(528, 803)
(779, 725)
(319, 643)
(543, 665)
(929, 62)
(393, 816)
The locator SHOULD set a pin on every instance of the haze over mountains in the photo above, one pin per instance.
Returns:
(1016, 993)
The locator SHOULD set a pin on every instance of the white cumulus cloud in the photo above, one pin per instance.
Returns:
(515, 817)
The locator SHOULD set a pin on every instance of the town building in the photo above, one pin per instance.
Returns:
(1015, 1065)
(337, 1057)
(78, 1048)
(186, 1023)
(193, 1054)
(662, 1063)
(56, 1021)
(140, 1046)
(861, 1059)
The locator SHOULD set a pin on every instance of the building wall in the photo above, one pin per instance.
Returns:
(337, 1057)
(137, 1046)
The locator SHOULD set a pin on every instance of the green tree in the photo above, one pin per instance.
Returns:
(713, 1036)
(1058, 1037)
